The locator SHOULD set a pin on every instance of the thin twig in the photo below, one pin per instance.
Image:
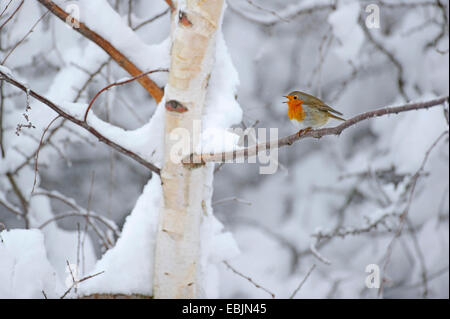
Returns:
(11, 208)
(285, 15)
(80, 212)
(156, 17)
(36, 159)
(76, 282)
(12, 15)
(231, 199)
(272, 12)
(249, 279)
(120, 83)
(421, 257)
(303, 281)
(389, 55)
(6, 8)
(21, 198)
(23, 39)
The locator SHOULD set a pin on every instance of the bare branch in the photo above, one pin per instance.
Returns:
(119, 83)
(249, 279)
(347, 231)
(37, 153)
(11, 208)
(6, 8)
(289, 140)
(389, 55)
(12, 15)
(80, 212)
(303, 281)
(282, 16)
(156, 17)
(315, 252)
(21, 198)
(231, 199)
(23, 39)
(76, 282)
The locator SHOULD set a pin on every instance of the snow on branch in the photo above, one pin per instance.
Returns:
(403, 216)
(79, 122)
(155, 91)
(347, 231)
(79, 211)
(318, 133)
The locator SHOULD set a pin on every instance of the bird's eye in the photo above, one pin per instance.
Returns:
(295, 97)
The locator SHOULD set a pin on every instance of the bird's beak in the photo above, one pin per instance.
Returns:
(285, 97)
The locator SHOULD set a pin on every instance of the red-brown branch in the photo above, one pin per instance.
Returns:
(171, 5)
(119, 83)
(155, 91)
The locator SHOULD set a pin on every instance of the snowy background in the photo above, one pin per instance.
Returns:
(331, 209)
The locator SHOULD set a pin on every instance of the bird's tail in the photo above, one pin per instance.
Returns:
(335, 117)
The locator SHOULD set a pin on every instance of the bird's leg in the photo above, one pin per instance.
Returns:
(304, 131)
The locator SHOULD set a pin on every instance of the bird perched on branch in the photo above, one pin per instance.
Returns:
(307, 112)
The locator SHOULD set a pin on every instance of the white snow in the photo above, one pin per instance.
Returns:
(406, 151)
(347, 30)
(110, 25)
(128, 265)
(5, 70)
(268, 241)
(145, 141)
(221, 108)
(24, 268)
(61, 245)
(216, 245)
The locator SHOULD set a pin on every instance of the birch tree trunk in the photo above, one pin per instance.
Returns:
(178, 240)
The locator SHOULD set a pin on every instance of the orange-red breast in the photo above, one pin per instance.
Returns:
(307, 111)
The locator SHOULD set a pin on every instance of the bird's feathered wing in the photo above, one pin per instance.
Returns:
(313, 101)
(328, 108)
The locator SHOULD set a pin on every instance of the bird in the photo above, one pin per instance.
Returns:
(307, 111)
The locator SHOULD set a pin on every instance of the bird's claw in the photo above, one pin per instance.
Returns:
(303, 132)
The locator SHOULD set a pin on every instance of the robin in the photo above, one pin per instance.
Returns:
(307, 112)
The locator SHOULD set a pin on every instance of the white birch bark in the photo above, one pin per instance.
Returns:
(177, 252)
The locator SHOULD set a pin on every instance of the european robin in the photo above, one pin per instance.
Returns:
(307, 112)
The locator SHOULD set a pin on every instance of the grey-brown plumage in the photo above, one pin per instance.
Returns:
(307, 111)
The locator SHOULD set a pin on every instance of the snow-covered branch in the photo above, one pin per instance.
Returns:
(109, 48)
(6, 77)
